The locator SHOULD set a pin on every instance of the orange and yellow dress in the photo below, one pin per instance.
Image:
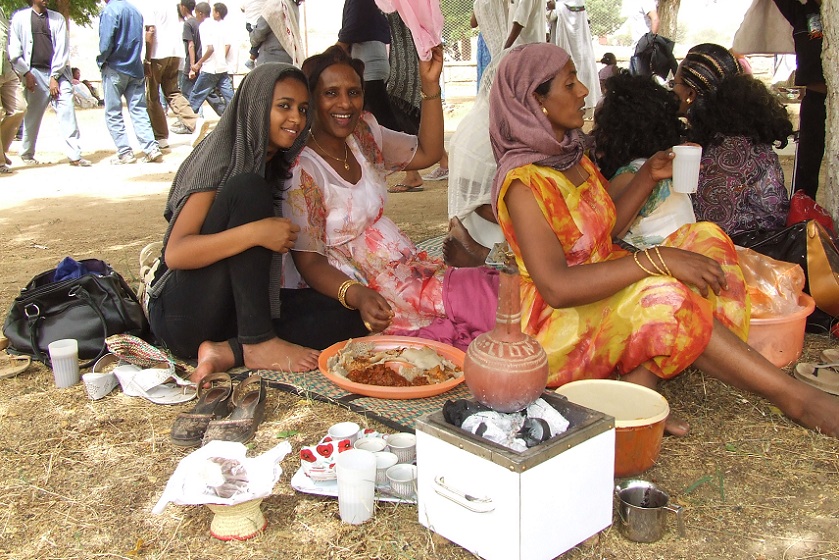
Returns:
(658, 322)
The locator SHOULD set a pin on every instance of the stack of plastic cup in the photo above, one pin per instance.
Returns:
(64, 355)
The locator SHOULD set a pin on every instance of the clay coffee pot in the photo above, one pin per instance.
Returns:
(506, 369)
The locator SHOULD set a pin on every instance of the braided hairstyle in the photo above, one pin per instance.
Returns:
(636, 118)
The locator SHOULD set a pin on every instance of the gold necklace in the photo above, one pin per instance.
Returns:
(346, 152)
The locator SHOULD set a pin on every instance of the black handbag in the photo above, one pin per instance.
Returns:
(89, 308)
(809, 245)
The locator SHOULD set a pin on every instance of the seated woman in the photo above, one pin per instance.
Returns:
(737, 121)
(218, 286)
(637, 118)
(347, 249)
(598, 310)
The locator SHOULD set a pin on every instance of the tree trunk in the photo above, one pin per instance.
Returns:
(668, 13)
(829, 192)
(63, 8)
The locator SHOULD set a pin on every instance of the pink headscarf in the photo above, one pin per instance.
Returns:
(519, 132)
(423, 17)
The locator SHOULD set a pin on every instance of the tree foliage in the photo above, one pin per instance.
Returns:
(457, 14)
(81, 12)
(604, 16)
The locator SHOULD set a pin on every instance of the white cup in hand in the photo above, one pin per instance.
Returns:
(686, 168)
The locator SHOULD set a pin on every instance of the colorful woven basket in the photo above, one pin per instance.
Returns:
(238, 522)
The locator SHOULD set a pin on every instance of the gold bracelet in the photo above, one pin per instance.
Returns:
(437, 95)
(664, 264)
(342, 292)
(641, 266)
(652, 262)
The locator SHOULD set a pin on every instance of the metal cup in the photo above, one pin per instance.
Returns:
(643, 508)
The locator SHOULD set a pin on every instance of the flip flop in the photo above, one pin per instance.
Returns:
(821, 376)
(830, 356)
(400, 188)
(11, 366)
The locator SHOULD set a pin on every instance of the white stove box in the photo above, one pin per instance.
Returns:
(499, 504)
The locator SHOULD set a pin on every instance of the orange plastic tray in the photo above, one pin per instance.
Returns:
(386, 342)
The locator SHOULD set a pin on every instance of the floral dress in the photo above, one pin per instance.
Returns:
(345, 222)
(658, 322)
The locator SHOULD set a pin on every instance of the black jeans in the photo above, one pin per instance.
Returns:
(811, 126)
(229, 299)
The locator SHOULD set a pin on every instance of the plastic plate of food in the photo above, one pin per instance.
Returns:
(393, 367)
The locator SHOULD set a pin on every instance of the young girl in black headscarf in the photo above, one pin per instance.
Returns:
(216, 294)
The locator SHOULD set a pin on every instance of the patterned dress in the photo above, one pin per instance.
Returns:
(741, 187)
(345, 223)
(657, 322)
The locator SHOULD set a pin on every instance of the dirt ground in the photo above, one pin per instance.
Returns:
(80, 477)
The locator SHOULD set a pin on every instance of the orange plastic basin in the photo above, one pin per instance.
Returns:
(639, 415)
(780, 339)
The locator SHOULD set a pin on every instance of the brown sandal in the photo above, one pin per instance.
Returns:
(213, 401)
(248, 404)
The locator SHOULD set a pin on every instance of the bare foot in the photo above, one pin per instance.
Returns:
(412, 179)
(278, 355)
(459, 249)
(813, 409)
(212, 357)
(673, 425)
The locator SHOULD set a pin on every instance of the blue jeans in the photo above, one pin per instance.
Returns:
(115, 86)
(37, 102)
(214, 99)
(204, 85)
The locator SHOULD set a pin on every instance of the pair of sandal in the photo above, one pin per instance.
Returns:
(824, 376)
(222, 412)
(402, 188)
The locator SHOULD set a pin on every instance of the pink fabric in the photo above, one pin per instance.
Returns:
(423, 17)
(470, 296)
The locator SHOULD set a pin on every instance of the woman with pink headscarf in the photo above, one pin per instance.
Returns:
(598, 310)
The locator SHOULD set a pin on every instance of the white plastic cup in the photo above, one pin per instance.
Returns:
(356, 471)
(384, 460)
(64, 355)
(344, 430)
(686, 168)
(404, 445)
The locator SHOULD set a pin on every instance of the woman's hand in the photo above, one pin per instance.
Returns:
(659, 166)
(375, 310)
(430, 70)
(276, 234)
(691, 268)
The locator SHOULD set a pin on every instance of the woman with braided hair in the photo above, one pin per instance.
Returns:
(737, 121)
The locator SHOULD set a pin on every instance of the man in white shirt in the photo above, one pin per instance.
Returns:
(641, 17)
(164, 51)
(527, 23)
(212, 67)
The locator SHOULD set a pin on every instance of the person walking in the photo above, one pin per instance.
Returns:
(12, 104)
(39, 50)
(213, 65)
(163, 58)
(120, 60)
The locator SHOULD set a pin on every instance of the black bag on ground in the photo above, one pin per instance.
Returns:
(810, 246)
(89, 308)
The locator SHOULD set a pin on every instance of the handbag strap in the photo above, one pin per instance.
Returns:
(34, 318)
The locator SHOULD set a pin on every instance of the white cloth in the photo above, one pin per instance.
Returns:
(763, 31)
(283, 18)
(231, 59)
(530, 15)
(570, 31)
(637, 20)
(253, 9)
(83, 98)
(664, 212)
(168, 29)
(491, 16)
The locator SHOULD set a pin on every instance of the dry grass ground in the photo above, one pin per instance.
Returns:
(79, 478)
